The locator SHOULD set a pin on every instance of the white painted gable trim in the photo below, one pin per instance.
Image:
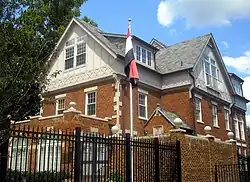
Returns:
(201, 53)
(87, 31)
(97, 40)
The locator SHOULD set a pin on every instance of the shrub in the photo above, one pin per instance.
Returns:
(48, 176)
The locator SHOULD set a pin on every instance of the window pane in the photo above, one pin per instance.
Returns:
(215, 117)
(80, 59)
(214, 73)
(70, 42)
(138, 53)
(142, 111)
(69, 63)
(149, 57)
(69, 52)
(207, 67)
(208, 78)
(197, 103)
(91, 109)
(91, 97)
(142, 99)
(143, 55)
(81, 48)
(198, 118)
(212, 61)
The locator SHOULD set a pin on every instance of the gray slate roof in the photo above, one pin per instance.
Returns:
(98, 34)
(173, 58)
(180, 56)
(170, 116)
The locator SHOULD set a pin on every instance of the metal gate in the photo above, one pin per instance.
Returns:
(38, 155)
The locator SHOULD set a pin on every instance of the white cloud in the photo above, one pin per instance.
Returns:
(225, 44)
(241, 64)
(164, 14)
(202, 12)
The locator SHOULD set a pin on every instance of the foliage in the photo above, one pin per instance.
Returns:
(114, 177)
(88, 20)
(29, 31)
(48, 176)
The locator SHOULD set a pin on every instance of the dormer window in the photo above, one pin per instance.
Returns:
(75, 53)
(238, 89)
(143, 55)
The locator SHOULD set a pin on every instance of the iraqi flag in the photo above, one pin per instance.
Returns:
(130, 63)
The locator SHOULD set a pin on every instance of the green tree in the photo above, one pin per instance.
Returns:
(90, 21)
(29, 31)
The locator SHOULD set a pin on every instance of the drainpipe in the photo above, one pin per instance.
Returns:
(191, 95)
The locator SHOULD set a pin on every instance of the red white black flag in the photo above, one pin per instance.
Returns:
(130, 63)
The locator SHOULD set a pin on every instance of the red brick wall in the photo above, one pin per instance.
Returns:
(158, 120)
(207, 118)
(104, 103)
(153, 99)
(179, 103)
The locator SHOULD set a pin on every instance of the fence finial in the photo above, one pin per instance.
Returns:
(177, 123)
(115, 129)
(207, 130)
(230, 135)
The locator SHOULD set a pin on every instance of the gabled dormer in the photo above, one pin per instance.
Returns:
(239, 100)
(144, 52)
(211, 74)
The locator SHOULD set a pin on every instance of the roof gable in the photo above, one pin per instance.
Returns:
(212, 44)
(94, 33)
(180, 56)
(168, 116)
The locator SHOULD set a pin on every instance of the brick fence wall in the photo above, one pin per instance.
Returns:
(199, 155)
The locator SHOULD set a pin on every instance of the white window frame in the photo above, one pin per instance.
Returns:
(215, 113)
(242, 128)
(76, 42)
(200, 108)
(146, 54)
(214, 80)
(236, 127)
(86, 101)
(144, 93)
(54, 145)
(227, 120)
(158, 130)
(24, 157)
(60, 97)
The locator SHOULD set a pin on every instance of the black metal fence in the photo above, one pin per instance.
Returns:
(39, 155)
(234, 172)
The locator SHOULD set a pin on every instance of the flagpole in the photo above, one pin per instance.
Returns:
(131, 130)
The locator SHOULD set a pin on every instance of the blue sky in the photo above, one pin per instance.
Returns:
(172, 21)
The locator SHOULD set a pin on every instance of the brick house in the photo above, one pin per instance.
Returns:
(188, 79)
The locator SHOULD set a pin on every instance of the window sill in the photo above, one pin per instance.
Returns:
(201, 122)
(142, 118)
(217, 127)
(214, 89)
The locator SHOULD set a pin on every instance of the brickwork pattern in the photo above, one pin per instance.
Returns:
(200, 155)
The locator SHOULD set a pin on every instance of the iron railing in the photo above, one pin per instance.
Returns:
(53, 155)
(233, 172)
